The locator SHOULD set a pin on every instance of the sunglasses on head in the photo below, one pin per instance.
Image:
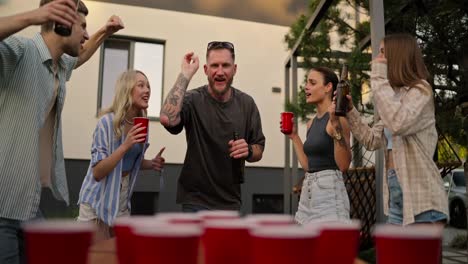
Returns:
(220, 44)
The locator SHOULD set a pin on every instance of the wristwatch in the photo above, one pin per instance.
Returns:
(337, 136)
(250, 152)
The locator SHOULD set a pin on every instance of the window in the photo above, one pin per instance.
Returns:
(459, 178)
(120, 53)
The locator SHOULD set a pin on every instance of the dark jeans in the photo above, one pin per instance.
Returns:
(11, 242)
(12, 250)
(193, 208)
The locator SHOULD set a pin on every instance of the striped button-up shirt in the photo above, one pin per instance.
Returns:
(103, 196)
(408, 112)
(26, 88)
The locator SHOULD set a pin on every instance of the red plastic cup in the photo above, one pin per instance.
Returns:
(124, 228)
(218, 214)
(270, 219)
(58, 241)
(226, 241)
(330, 232)
(282, 244)
(286, 122)
(180, 218)
(407, 245)
(144, 123)
(166, 243)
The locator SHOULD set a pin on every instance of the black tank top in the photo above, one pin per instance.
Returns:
(319, 146)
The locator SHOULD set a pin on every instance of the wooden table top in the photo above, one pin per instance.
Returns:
(103, 252)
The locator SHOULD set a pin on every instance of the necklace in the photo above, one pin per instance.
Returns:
(128, 122)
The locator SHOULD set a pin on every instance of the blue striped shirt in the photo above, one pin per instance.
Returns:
(26, 89)
(103, 196)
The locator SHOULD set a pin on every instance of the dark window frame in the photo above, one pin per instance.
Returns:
(131, 40)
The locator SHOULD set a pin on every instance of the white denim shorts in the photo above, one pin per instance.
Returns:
(87, 213)
(323, 198)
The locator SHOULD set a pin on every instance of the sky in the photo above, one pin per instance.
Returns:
(278, 12)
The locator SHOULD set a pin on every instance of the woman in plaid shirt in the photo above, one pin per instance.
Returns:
(413, 188)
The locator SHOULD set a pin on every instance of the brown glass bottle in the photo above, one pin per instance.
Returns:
(342, 90)
(63, 30)
(237, 165)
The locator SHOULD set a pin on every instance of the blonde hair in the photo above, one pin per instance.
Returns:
(405, 62)
(123, 101)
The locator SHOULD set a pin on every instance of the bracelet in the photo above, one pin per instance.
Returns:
(250, 152)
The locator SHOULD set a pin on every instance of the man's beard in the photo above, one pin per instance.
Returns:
(211, 82)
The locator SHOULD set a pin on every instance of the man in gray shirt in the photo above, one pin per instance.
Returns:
(223, 129)
(33, 73)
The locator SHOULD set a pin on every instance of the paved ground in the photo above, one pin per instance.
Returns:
(451, 255)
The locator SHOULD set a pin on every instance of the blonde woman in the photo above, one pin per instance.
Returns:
(117, 155)
(413, 188)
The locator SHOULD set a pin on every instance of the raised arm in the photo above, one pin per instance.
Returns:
(61, 11)
(338, 129)
(403, 116)
(112, 25)
(370, 137)
(170, 111)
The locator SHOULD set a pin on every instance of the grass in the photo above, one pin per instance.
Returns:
(459, 241)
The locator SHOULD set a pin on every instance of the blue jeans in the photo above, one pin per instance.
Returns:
(12, 249)
(395, 204)
(11, 242)
(193, 208)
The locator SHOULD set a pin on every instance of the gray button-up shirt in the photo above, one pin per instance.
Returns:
(26, 88)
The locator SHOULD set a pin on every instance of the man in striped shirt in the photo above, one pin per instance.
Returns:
(33, 73)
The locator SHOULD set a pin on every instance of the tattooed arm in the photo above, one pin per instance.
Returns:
(170, 111)
(338, 129)
(342, 146)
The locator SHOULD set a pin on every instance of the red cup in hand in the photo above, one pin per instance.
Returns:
(144, 121)
(286, 122)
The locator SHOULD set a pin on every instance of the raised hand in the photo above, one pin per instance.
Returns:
(133, 136)
(238, 149)
(294, 130)
(350, 104)
(157, 163)
(113, 25)
(190, 64)
(61, 11)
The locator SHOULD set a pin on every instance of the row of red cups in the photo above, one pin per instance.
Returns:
(223, 237)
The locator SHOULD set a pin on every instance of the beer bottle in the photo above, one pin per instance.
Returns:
(342, 90)
(62, 30)
(237, 165)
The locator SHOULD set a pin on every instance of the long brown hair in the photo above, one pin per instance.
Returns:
(405, 62)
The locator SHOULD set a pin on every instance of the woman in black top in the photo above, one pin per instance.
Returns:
(325, 154)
